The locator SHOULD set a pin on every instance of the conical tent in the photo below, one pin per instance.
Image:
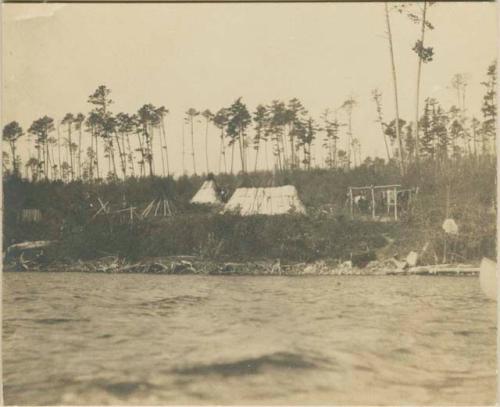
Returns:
(265, 201)
(207, 194)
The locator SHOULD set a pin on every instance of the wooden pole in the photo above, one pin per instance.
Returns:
(388, 202)
(351, 202)
(395, 204)
(377, 187)
(373, 203)
(157, 207)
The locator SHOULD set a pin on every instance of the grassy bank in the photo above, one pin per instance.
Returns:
(326, 232)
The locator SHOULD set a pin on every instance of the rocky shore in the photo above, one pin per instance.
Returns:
(31, 256)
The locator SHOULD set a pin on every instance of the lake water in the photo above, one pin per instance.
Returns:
(73, 338)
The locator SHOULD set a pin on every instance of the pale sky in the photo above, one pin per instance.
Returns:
(208, 55)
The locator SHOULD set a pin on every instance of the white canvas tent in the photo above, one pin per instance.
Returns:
(207, 194)
(265, 201)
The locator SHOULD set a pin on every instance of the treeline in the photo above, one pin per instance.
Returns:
(282, 134)
(131, 144)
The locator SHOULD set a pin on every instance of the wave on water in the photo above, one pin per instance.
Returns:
(126, 388)
(52, 321)
(173, 301)
(250, 366)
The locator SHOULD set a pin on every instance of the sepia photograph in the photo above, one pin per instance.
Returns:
(249, 203)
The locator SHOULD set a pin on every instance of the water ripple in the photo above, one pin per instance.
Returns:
(91, 339)
(251, 366)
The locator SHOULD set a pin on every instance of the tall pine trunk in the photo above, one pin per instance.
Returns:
(232, 157)
(395, 83)
(419, 70)
(150, 152)
(257, 155)
(14, 163)
(70, 150)
(97, 156)
(164, 134)
(80, 151)
(222, 151)
(59, 149)
(130, 156)
(183, 149)
(242, 152)
(206, 147)
(121, 154)
(161, 152)
(192, 145)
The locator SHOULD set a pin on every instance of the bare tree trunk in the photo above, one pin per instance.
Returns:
(80, 151)
(192, 146)
(242, 153)
(122, 156)
(46, 158)
(380, 120)
(206, 147)
(164, 133)
(232, 157)
(224, 154)
(112, 152)
(39, 159)
(221, 151)
(266, 153)
(143, 155)
(419, 70)
(13, 150)
(130, 155)
(309, 156)
(183, 149)
(49, 163)
(284, 152)
(59, 149)
(349, 142)
(149, 141)
(256, 156)
(292, 145)
(394, 79)
(70, 150)
(278, 153)
(91, 158)
(161, 151)
(97, 156)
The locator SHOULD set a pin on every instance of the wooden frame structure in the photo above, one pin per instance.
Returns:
(395, 190)
(161, 208)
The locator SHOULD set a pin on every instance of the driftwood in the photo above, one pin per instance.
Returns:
(440, 269)
(38, 244)
(188, 264)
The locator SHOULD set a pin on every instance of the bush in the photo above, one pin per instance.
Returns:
(68, 215)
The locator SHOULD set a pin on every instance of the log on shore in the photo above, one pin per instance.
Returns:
(440, 269)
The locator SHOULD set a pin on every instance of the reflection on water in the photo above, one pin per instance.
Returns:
(71, 338)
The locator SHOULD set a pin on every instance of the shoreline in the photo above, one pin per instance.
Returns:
(192, 265)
